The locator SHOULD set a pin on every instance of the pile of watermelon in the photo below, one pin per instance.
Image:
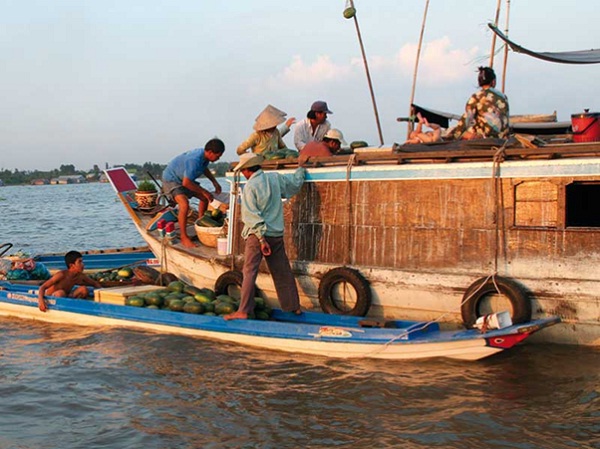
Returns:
(180, 297)
(114, 275)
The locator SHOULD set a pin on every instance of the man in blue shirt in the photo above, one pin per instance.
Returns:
(262, 214)
(179, 182)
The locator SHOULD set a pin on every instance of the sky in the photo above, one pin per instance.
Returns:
(102, 82)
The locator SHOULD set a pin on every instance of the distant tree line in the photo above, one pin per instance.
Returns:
(18, 177)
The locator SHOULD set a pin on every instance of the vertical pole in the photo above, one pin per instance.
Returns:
(505, 48)
(494, 34)
(364, 56)
(414, 83)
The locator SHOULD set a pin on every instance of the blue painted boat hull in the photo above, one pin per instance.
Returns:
(309, 333)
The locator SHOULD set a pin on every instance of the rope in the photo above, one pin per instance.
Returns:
(351, 161)
(499, 157)
(499, 243)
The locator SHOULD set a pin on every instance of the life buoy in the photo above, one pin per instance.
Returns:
(474, 299)
(230, 279)
(335, 298)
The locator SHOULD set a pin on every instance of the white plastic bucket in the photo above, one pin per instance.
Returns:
(222, 246)
(498, 320)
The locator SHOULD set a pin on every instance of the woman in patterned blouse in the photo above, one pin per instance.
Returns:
(486, 112)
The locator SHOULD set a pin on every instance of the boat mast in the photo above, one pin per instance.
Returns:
(505, 47)
(414, 84)
(350, 13)
(494, 36)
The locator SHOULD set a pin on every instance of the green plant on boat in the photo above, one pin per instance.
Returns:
(146, 186)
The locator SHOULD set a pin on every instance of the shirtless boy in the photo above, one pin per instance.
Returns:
(62, 283)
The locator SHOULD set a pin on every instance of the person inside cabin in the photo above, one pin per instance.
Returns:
(486, 112)
(179, 182)
(63, 283)
(314, 126)
(419, 136)
(262, 215)
(333, 141)
(267, 136)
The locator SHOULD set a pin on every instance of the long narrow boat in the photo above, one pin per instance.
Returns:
(309, 333)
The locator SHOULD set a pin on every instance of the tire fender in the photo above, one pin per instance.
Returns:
(231, 278)
(515, 293)
(346, 276)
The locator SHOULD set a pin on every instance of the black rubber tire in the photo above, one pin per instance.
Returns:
(350, 276)
(478, 290)
(230, 278)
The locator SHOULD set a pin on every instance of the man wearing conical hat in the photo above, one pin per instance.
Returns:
(266, 136)
(262, 215)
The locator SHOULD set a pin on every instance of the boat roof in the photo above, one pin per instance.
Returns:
(564, 57)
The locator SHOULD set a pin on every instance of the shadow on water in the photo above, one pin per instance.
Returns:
(121, 388)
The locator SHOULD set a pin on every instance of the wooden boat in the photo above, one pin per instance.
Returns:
(310, 333)
(103, 259)
(449, 230)
(446, 231)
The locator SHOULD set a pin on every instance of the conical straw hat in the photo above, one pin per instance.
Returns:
(269, 118)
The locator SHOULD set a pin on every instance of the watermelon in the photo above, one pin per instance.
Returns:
(223, 308)
(176, 305)
(176, 286)
(193, 307)
(135, 301)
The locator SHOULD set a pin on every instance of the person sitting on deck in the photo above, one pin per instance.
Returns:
(333, 141)
(62, 283)
(267, 136)
(314, 126)
(486, 112)
(420, 136)
(179, 182)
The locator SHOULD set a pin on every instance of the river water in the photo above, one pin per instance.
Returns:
(71, 387)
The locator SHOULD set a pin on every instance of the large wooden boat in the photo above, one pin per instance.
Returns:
(445, 232)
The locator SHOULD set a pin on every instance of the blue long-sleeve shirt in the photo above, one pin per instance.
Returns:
(262, 209)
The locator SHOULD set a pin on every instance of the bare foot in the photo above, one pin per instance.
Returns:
(188, 243)
(298, 312)
(236, 316)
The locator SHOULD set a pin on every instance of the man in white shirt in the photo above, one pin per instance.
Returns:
(314, 126)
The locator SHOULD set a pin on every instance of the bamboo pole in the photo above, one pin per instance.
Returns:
(411, 123)
(364, 56)
(505, 47)
(494, 34)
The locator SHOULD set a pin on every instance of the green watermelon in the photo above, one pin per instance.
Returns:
(193, 307)
(135, 301)
(176, 305)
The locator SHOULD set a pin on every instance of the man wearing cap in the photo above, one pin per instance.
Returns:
(262, 214)
(332, 142)
(314, 126)
(179, 182)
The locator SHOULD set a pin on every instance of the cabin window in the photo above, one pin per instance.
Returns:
(536, 204)
(583, 205)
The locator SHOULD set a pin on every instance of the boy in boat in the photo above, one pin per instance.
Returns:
(179, 182)
(262, 214)
(62, 283)
(267, 137)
